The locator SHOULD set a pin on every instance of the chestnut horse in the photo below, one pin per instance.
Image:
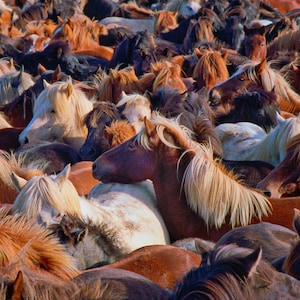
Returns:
(170, 153)
(252, 76)
(197, 185)
(284, 180)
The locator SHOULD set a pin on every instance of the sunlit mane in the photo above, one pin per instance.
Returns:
(42, 190)
(219, 191)
(272, 80)
(23, 240)
(279, 136)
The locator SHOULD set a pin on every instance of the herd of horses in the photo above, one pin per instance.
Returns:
(149, 149)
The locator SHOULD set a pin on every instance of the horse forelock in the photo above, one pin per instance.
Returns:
(95, 116)
(182, 135)
(219, 193)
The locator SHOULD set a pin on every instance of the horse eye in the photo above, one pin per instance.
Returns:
(262, 45)
(241, 79)
(131, 145)
(52, 111)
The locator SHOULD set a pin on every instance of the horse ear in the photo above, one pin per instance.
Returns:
(261, 66)
(46, 84)
(149, 127)
(64, 174)
(252, 260)
(123, 94)
(60, 20)
(41, 69)
(14, 290)
(296, 221)
(18, 182)
(279, 118)
(69, 89)
(56, 75)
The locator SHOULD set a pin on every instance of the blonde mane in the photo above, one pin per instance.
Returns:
(68, 102)
(3, 121)
(272, 80)
(43, 190)
(211, 191)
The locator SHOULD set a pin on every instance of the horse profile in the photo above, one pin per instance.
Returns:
(253, 76)
(171, 153)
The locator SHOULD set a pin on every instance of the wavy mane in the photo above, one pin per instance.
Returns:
(272, 80)
(26, 242)
(42, 190)
(279, 136)
(217, 194)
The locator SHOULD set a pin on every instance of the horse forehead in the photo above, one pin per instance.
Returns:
(189, 8)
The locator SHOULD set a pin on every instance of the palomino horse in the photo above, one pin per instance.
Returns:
(201, 206)
(251, 142)
(252, 76)
(126, 215)
(283, 181)
(58, 115)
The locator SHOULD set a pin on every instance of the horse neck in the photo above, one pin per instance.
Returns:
(180, 220)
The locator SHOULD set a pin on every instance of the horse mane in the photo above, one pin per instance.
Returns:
(208, 195)
(101, 108)
(62, 96)
(287, 41)
(23, 240)
(6, 66)
(210, 64)
(133, 100)
(134, 11)
(4, 121)
(164, 21)
(293, 144)
(272, 80)
(279, 136)
(43, 190)
(118, 132)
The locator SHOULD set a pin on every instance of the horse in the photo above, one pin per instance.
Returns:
(251, 142)
(118, 132)
(26, 244)
(210, 69)
(157, 22)
(102, 115)
(254, 45)
(252, 76)
(232, 273)
(58, 113)
(19, 111)
(275, 241)
(258, 107)
(171, 153)
(291, 261)
(183, 7)
(82, 35)
(42, 198)
(134, 107)
(283, 181)
(117, 284)
(160, 263)
(6, 65)
(14, 83)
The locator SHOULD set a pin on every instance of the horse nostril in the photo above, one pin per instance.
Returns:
(94, 167)
(26, 141)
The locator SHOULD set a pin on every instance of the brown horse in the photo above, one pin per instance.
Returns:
(284, 180)
(163, 264)
(210, 69)
(255, 76)
(201, 199)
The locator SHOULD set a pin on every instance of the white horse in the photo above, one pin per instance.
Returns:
(125, 214)
(248, 141)
(58, 114)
